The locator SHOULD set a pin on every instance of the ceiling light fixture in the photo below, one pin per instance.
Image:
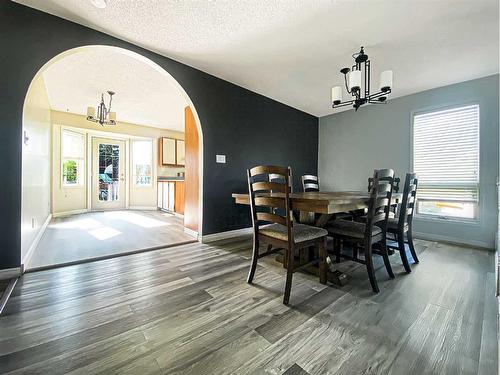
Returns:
(101, 4)
(358, 87)
(104, 115)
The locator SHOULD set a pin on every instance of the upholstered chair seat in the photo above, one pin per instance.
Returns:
(351, 229)
(392, 224)
(301, 232)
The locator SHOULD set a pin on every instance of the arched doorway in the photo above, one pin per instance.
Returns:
(32, 226)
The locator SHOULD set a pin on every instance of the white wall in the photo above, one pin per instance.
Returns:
(352, 144)
(35, 206)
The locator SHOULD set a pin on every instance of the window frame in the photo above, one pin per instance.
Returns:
(81, 171)
(477, 208)
(132, 165)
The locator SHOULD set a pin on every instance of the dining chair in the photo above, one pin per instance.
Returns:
(402, 224)
(395, 189)
(370, 235)
(267, 201)
(310, 183)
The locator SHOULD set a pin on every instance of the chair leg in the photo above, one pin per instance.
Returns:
(255, 257)
(289, 274)
(336, 249)
(385, 256)
(409, 234)
(402, 252)
(355, 250)
(369, 267)
(322, 261)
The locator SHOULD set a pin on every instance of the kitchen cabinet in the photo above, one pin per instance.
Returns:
(172, 152)
(171, 196)
(180, 152)
(167, 151)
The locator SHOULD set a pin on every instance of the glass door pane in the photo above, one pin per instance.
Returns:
(109, 172)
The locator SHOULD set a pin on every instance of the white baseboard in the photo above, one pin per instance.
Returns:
(68, 213)
(191, 232)
(36, 240)
(10, 273)
(224, 235)
(453, 240)
(143, 208)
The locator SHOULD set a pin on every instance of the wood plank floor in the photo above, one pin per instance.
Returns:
(99, 234)
(188, 310)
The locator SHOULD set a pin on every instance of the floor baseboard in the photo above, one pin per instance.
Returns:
(69, 213)
(10, 273)
(36, 240)
(452, 240)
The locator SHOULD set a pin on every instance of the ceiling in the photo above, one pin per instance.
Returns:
(144, 95)
(292, 50)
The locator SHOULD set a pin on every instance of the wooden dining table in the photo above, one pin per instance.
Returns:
(326, 204)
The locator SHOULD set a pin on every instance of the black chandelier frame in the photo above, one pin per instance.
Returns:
(362, 63)
(103, 111)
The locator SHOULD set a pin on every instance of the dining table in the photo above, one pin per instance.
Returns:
(317, 208)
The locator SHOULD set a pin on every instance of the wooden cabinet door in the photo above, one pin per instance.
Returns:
(181, 152)
(179, 197)
(168, 146)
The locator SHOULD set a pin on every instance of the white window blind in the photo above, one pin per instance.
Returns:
(446, 154)
(73, 144)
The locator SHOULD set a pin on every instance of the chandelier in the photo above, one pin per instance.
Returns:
(359, 88)
(104, 115)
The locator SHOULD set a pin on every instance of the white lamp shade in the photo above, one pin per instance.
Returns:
(386, 80)
(112, 116)
(90, 112)
(336, 95)
(355, 80)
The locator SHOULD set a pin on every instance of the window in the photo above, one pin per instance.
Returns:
(142, 162)
(72, 158)
(446, 160)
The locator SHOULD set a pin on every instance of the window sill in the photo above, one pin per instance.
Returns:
(453, 220)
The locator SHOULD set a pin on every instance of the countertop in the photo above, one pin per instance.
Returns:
(173, 178)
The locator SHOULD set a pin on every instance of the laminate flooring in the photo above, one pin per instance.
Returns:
(101, 234)
(189, 310)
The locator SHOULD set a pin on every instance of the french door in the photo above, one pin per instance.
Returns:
(108, 174)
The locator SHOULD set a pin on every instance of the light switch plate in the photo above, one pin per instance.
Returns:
(220, 159)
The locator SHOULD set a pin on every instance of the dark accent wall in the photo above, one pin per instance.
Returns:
(247, 127)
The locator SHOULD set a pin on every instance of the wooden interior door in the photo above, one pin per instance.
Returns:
(192, 179)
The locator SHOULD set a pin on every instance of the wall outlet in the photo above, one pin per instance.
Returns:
(33, 222)
(220, 159)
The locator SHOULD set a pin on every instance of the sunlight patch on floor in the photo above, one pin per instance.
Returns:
(104, 233)
(136, 219)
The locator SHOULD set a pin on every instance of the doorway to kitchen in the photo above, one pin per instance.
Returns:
(94, 191)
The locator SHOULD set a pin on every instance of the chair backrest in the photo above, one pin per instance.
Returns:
(276, 177)
(386, 173)
(380, 200)
(270, 200)
(310, 183)
(408, 200)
